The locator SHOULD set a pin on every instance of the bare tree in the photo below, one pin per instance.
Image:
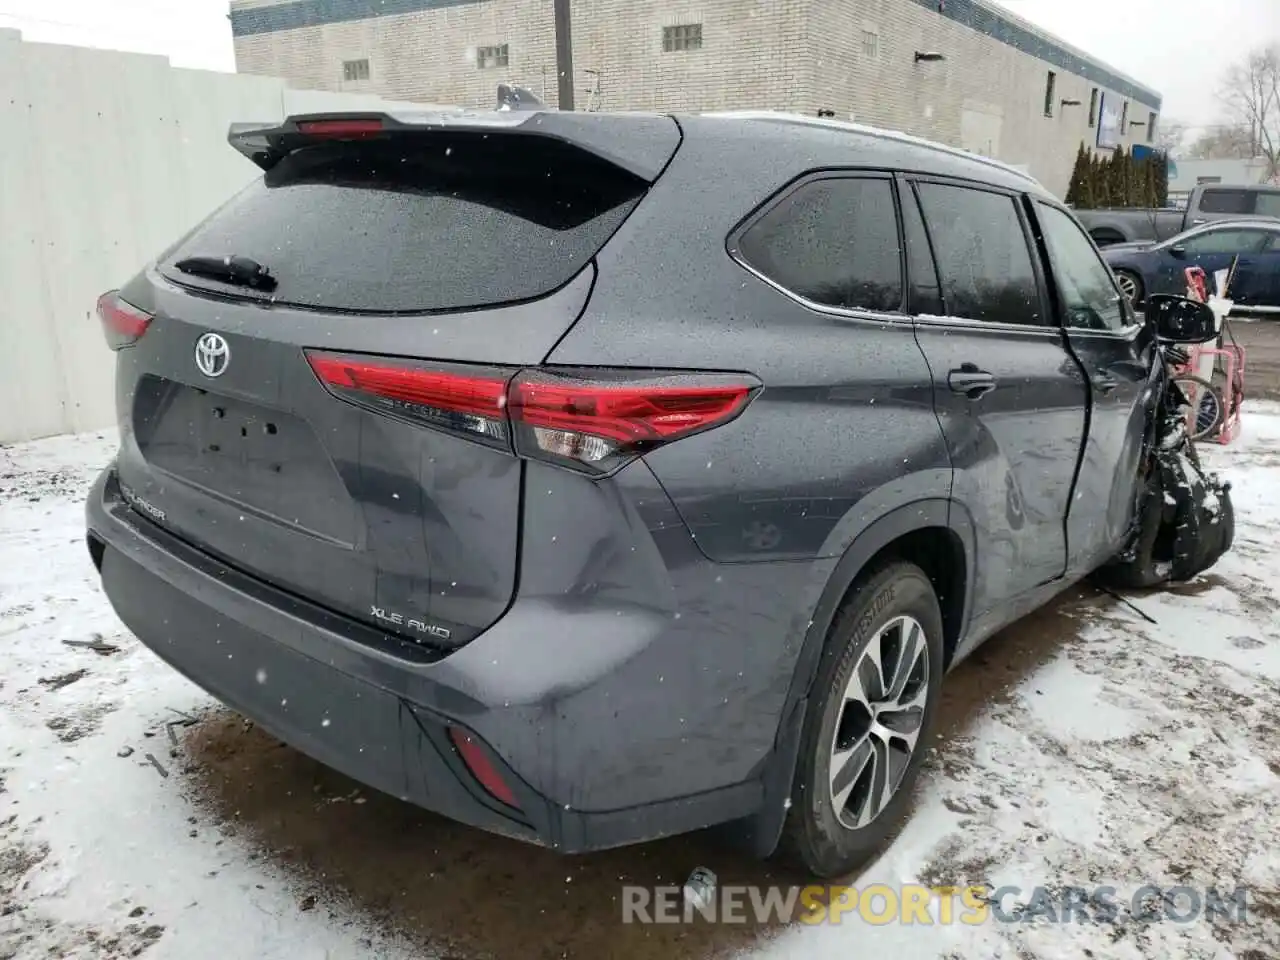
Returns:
(1251, 92)
(1226, 142)
(1170, 135)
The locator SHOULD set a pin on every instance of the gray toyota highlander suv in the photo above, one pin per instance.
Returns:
(592, 478)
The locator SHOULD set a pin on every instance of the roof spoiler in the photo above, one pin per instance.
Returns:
(641, 144)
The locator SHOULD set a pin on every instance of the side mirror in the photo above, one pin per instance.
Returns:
(1179, 251)
(1179, 320)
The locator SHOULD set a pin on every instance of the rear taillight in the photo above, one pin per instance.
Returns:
(459, 399)
(588, 422)
(122, 323)
(593, 424)
(481, 767)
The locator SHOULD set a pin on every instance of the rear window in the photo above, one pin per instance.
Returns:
(1227, 201)
(420, 223)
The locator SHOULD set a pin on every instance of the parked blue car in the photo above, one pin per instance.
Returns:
(1147, 268)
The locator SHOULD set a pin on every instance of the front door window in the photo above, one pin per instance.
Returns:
(1090, 298)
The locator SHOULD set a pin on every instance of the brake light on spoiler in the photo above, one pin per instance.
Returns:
(591, 421)
(341, 129)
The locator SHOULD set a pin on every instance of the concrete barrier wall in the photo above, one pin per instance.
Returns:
(105, 159)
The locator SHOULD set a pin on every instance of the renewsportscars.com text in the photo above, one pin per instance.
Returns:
(882, 904)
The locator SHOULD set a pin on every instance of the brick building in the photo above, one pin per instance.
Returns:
(1002, 87)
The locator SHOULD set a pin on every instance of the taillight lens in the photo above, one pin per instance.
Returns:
(481, 768)
(460, 400)
(122, 323)
(592, 423)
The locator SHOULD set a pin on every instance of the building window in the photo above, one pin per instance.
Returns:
(1151, 127)
(1124, 119)
(1093, 108)
(355, 69)
(870, 44)
(1050, 89)
(685, 36)
(488, 58)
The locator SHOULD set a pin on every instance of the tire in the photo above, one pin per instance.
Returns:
(1207, 401)
(1131, 286)
(1144, 569)
(881, 606)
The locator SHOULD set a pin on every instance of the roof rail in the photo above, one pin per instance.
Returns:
(780, 116)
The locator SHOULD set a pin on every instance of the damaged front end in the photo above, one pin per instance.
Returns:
(1184, 520)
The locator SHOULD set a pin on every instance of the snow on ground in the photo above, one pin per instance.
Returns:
(106, 855)
(1084, 746)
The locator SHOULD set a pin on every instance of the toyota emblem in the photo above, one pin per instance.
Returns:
(212, 355)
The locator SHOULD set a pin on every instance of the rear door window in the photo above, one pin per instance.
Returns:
(1226, 241)
(1268, 204)
(833, 242)
(419, 223)
(1227, 201)
(984, 262)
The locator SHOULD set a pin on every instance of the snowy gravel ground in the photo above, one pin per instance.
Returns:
(1084, 746)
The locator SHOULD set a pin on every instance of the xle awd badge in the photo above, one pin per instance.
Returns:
(212, 355)
(430, 629)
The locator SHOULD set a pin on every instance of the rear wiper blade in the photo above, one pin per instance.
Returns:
(240, 271)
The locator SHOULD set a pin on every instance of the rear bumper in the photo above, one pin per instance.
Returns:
(354, 727)
(383, 719)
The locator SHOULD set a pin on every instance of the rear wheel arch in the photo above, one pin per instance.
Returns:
(935, 535)
(1103, 236)
(940, 553)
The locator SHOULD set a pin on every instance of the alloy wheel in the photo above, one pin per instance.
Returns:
(1128, 286)
(880, 721)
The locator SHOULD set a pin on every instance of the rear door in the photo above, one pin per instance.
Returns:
(1117, 352)
(339, 429)
(1253, 279)
(1010, 397)
(1269, 274)
(1215, 248)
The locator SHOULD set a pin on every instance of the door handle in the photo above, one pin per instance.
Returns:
(970, 381)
